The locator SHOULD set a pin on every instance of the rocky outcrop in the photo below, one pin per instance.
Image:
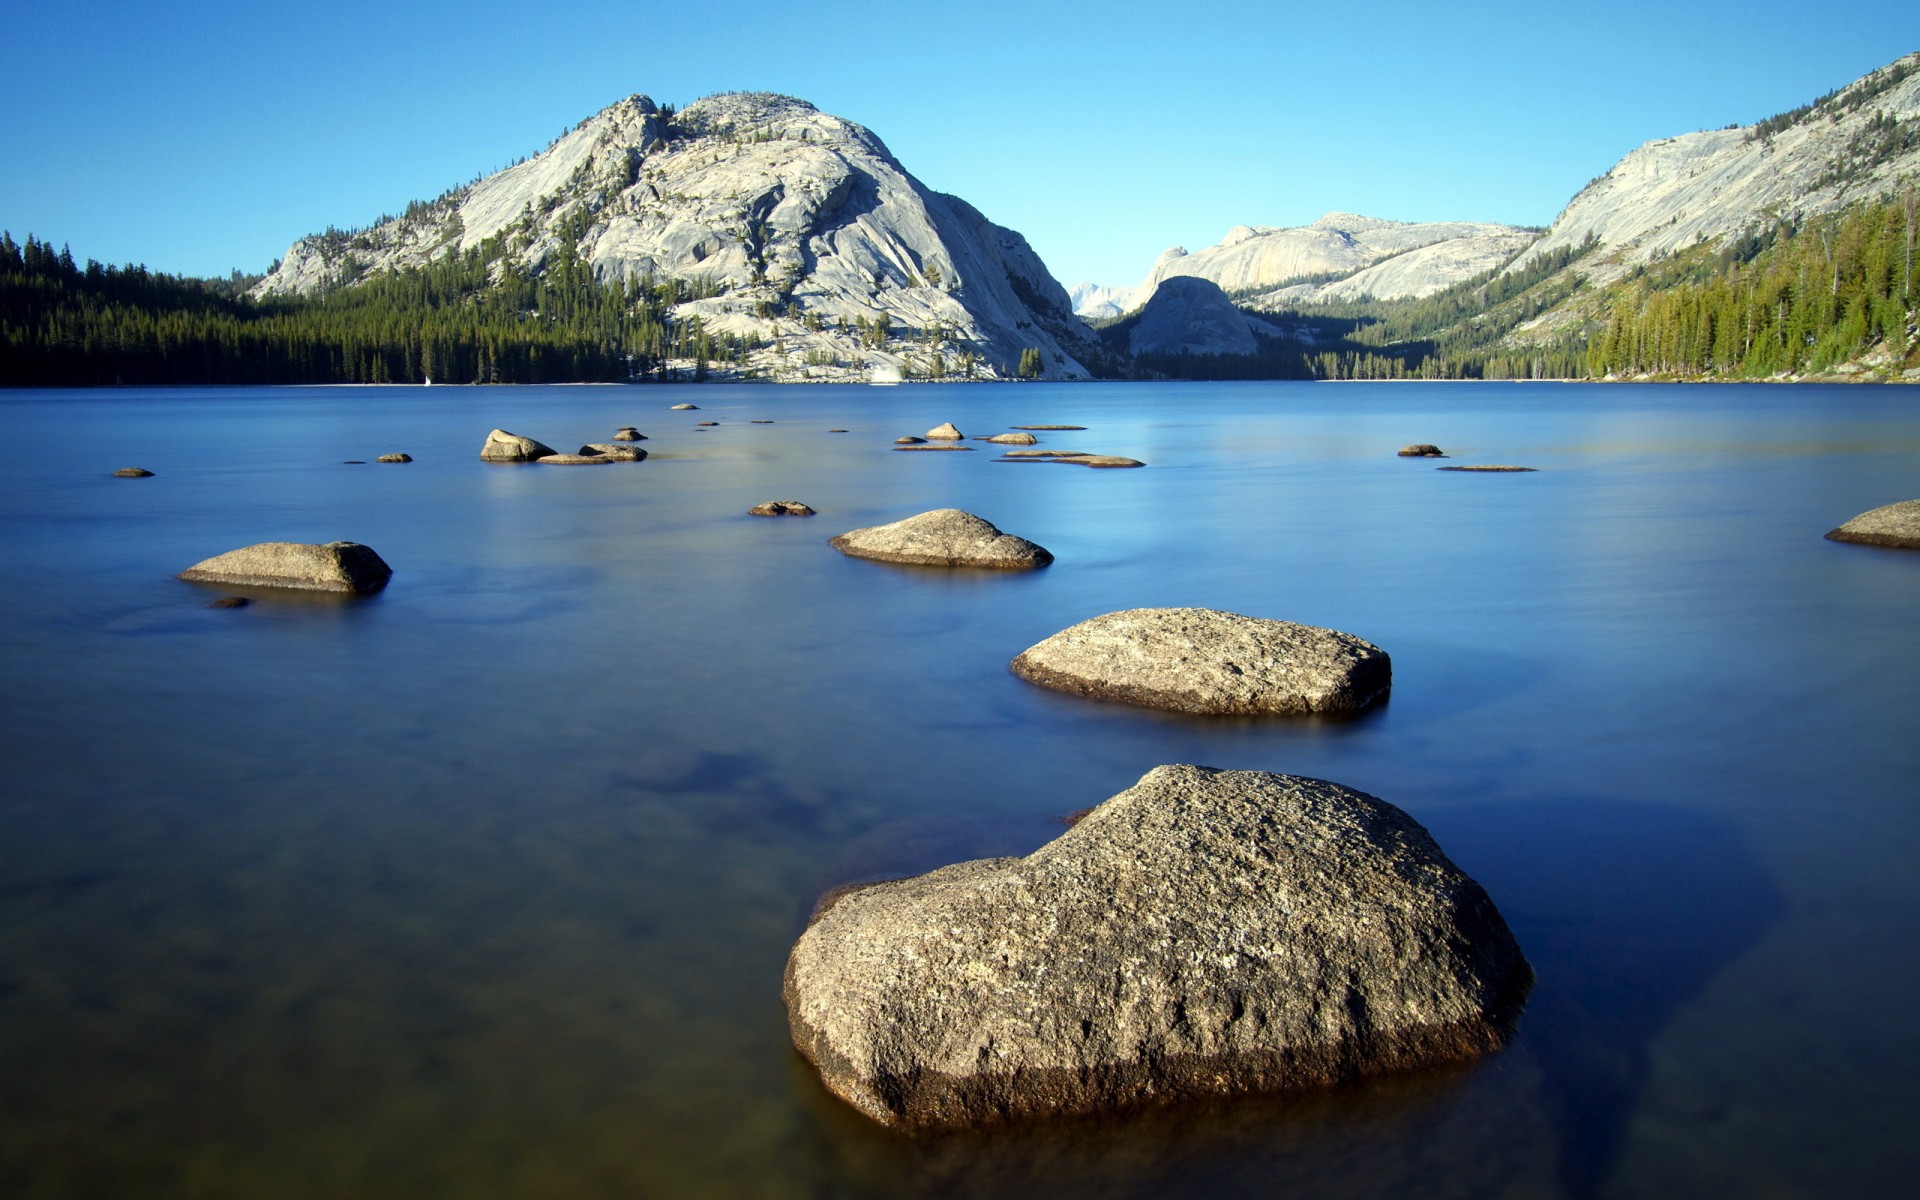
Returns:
(502, 446)
(1672, 193)
(615, 451)
(780, 508)
(1200, 660)
(1896, 525)
(760, 204)
(1262, 258)
(945, 537)
(333, 567)
(1203, 933)
(1192, 316)
(1097, 302)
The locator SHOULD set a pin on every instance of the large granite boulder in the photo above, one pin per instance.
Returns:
(1203, 933)
(334, 567)
(1200, 660)
(1012, 439)
(617, 451)
(945, 537)
(1896, 525)
(502, 446)
(946, 431)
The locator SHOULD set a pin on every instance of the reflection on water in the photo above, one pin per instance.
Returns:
(484, 885)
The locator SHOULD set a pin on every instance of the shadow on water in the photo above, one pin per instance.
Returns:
(1627, 910)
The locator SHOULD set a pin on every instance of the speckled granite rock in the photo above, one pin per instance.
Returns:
(1896, 525)
(1201, 660)
(502, 446)
(1203, 933)
(945, 537)
(333, 567)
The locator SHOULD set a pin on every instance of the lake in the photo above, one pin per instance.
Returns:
(483, 886)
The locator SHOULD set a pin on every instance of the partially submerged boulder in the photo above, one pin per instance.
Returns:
(945, 537)
(780, 508)
(1012, 439)
(1204, 933)
(945, 432)
(502, 446)
(628, 433)
(615, 451)
(685, 407)
(942, 446)
(1421, 450)
(1495, 467)
(1046, 427)
(1099, 460)
(1896, 525)
(908, 441)
(333, 567)
(394, 458)
(574, 460)
(1201, 660)
(134, 473)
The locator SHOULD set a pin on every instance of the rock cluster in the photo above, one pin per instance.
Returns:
(333, 567)
(1200, 660)
(945, 537)
(1896, 525)
(502, 446)
(1203, 933)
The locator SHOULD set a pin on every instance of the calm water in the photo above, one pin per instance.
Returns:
(483, 886)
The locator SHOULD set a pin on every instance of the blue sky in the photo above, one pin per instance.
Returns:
(200, 137)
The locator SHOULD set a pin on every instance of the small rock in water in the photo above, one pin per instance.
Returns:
(333, 567)
(1045, 454)
(1421, 450)
(1044, 428)
(933, 447)
(836, 431)
(706, 422)
(1200, 660)
(133, 473)
(616, 452)
(1204, 933)
(684, 407)
(1099, 460)
(908, 441)
(574, 460)
(945, 537)
(230, 602)
(1012, 439)
(945, 432)
(395, 458)
(780, 508)
(629, 434)
(502, 446)
(1486, 468)
(759, 422)
(1894, 525)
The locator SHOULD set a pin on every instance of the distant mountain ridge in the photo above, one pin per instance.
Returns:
(791, 226)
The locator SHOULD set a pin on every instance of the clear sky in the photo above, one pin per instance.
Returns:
(206, 135)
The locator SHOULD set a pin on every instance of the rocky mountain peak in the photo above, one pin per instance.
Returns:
(784, 223)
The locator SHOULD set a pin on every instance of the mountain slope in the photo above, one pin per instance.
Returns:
(1852, 145)
(781, 223)
(1256, 258)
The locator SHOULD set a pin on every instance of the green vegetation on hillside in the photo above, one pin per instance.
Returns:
(1839, 289)
(467, 318)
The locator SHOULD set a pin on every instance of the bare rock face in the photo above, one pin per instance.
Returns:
(1421, 450)
(1191, 316)
(946, 431)
(1200, 660)
(334, 567)
(1896, 525)
(945, 537)
(502, 446)
(616, 452)
(1203, 933)
(780, 508)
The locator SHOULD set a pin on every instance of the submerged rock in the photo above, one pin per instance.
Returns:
(909, 441)
(1100, 460)
(615, 451)
(333, 567)
(395, 458)
(1012, 439)
(230, 602)
(1421, 450)
(1487, 467)
(1204, 933)
(945, 537)
(780, 508)
(574, 460)
(1044, 428)
(1200, 660)
(134, 473)
(1041, 454)
(502, 446)
(1896, 525)
(945, 432)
